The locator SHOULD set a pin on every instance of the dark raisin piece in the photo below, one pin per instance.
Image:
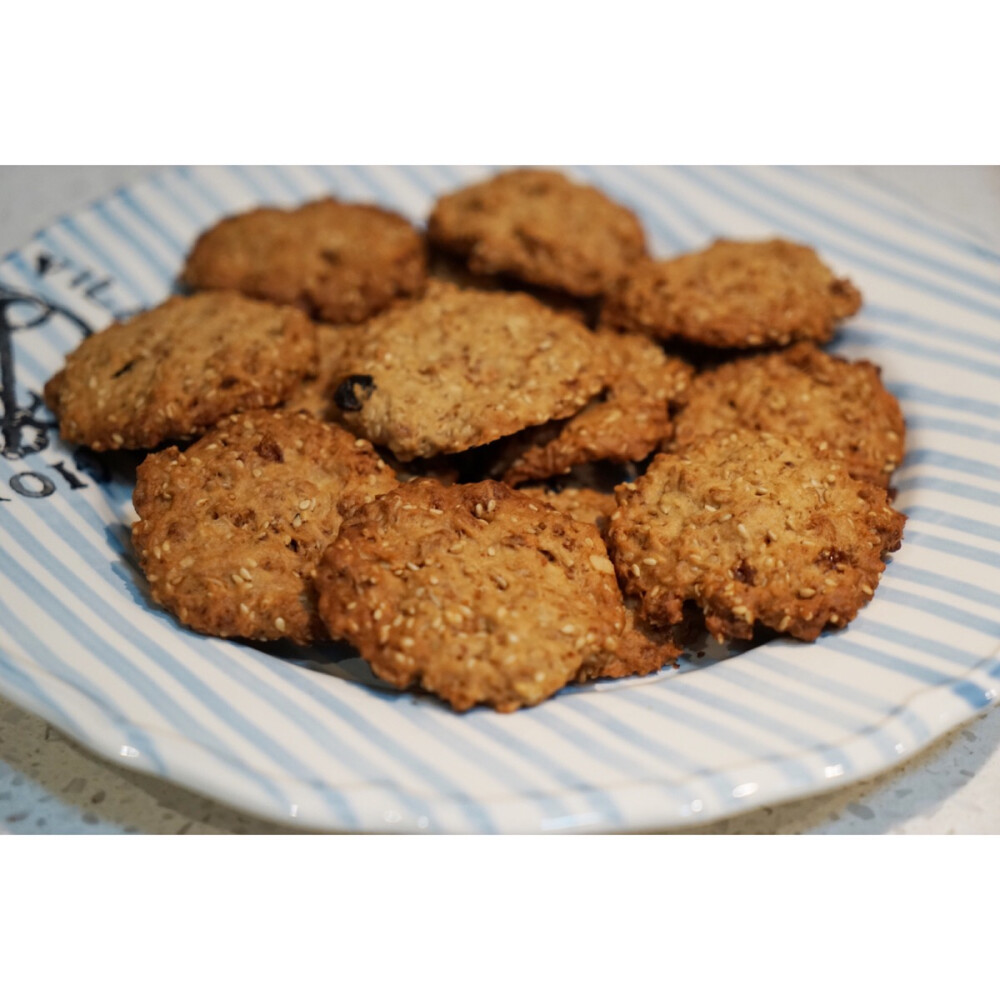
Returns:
(353, 391)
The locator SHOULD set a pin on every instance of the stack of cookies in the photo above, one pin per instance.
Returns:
(502, 456)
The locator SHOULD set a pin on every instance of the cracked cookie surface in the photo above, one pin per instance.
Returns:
(474, 592)
(839, 407)
(541, 227)
(230, 530)
(176, 370)
(462, 368)
(339, 261)
(752, 527)
(734, 295)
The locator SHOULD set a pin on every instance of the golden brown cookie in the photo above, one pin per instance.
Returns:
(752, 527)
(230, 531)
(630, 420)
(315, 394)
(734, 295)
(176, 370)
(840, 407)
(340, 262)
(474, 592)
(460, 368)
(539, 226)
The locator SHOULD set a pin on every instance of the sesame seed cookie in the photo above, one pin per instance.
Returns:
(752, 527)
(734, 295)
(230, 530)
(461, 368)
(176, 370)
(474, 592)
(341, 262)
(629, 421)
(539, 226)
(840, 407)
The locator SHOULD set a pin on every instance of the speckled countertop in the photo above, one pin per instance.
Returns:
(50, 784)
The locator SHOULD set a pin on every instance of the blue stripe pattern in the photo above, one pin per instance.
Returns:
(80, 645)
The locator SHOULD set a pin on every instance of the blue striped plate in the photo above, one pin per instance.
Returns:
(304, 737)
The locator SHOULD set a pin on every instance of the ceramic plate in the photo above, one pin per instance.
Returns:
(310, 738)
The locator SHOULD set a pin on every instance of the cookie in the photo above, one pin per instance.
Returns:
(461, 368)
(315, 394)
(840, 407)
(340, 262)
(178, 369)
(230, 530)
(474, 592)
(626, 424)
(539, 226)
(734, 295)
(752, 527)
(642, 649)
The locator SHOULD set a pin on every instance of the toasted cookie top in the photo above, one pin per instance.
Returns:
(541, 227)
(630, 420)
(175, 370)
(734, 295)
(474, 592)
(840, 407)
(230, 530)
(341, 262)
(752, 527)
(461, 368)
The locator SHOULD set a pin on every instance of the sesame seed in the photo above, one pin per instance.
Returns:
(807, 592)
(742, 529)
(279, 624)
(245, 573)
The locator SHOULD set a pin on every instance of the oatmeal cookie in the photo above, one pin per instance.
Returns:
(840, 407)
(230, 530)
(341, 262)
(176, 370)
(752, 527)
(474, 592)
(539, 226)
(628, 422)
(734, 295)
(462, 368)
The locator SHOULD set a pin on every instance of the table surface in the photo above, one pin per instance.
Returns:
(50, 784)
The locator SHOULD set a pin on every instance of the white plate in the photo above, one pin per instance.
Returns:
(308, 738)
